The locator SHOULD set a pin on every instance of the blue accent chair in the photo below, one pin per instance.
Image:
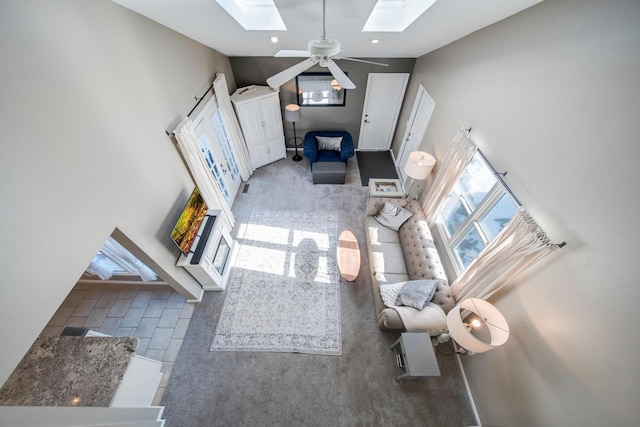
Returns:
(311, 152)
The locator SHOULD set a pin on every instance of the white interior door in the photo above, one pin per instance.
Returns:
(217, 151)
(416, 127)
(382, 102)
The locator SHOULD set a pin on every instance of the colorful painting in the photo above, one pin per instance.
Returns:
(188, 224)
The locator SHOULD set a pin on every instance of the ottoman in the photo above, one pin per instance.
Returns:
(328, 172)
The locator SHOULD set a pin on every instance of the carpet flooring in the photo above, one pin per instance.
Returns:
(375, 164)
(229, 388)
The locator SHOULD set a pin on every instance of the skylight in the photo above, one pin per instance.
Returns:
(254, 15)
(395, 15)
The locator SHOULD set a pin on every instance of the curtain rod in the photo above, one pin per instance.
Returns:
(195, 106)
(499, 176)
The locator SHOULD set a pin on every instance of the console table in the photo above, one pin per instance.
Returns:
(415, 357)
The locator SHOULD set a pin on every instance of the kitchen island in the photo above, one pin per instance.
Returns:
(73, 371)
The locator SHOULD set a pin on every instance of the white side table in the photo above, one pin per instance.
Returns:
(414, 356)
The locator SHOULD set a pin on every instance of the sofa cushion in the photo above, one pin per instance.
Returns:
(417, 293)
(329, 142)
(393, 216)
(385, 278)
(388, 258)
(379, 234)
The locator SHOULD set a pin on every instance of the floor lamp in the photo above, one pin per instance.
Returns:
(292, 114)
(418, 167)
(486, 331)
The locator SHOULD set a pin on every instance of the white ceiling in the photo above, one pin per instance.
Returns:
(443, 23)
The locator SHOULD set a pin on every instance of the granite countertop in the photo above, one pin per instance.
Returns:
(69, 371)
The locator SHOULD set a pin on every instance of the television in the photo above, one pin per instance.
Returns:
(189, 221)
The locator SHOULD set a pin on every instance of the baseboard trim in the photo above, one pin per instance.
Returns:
(466, 386)
(122, 282)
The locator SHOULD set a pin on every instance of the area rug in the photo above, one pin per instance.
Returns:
(283, 294)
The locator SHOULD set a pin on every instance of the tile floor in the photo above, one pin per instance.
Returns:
(155, 314)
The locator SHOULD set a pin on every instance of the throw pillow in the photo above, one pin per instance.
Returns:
(389, 293)
(417, 293)
(393, 216)
(329, 143)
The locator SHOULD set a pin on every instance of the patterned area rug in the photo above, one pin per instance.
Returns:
(283, 294)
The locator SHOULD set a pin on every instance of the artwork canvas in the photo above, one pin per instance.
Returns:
(189, 221)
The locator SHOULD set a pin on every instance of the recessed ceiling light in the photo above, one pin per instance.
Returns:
(254, 15)
(374, 41)
(274, 39)
(395, 15)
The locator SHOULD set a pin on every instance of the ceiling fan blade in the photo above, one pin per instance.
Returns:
(292, 54)
(361, 60)
(340, 76)
(284, 76)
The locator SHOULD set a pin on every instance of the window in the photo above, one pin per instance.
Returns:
(476, 210)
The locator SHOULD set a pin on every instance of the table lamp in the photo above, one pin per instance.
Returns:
(418, 167)
(292, 114)
(485, 330)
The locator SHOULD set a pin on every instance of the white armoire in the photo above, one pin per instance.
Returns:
(258, 110)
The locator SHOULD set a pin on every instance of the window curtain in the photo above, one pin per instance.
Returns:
(121, 259)
(460, 152)
(232, 127)
(520, 245)
(189, 147)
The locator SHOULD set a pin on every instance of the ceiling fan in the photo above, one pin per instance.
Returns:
(322, 51)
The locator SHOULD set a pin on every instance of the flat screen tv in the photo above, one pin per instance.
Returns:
(188, 224)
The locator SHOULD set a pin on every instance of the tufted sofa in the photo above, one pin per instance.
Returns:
(407, 254)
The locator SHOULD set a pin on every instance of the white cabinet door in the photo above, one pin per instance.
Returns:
(250, 117)
(272, 118)
(260, 154)
(276, 149)
(260, 117)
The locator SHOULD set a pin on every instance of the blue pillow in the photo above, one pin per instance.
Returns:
(418, 293)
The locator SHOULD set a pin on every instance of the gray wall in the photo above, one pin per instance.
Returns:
(88, 89)
(256, 70)
(553, 97)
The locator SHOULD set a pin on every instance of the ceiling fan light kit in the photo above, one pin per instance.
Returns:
(322, 51)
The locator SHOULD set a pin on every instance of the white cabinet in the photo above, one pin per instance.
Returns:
(211, 254)
(260, 117)
(139, 383)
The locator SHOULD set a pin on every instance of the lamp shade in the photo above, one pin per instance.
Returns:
(489, 318)
(419, 165)
(292, 113)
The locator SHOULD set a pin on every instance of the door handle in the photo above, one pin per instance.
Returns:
(223, 169)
